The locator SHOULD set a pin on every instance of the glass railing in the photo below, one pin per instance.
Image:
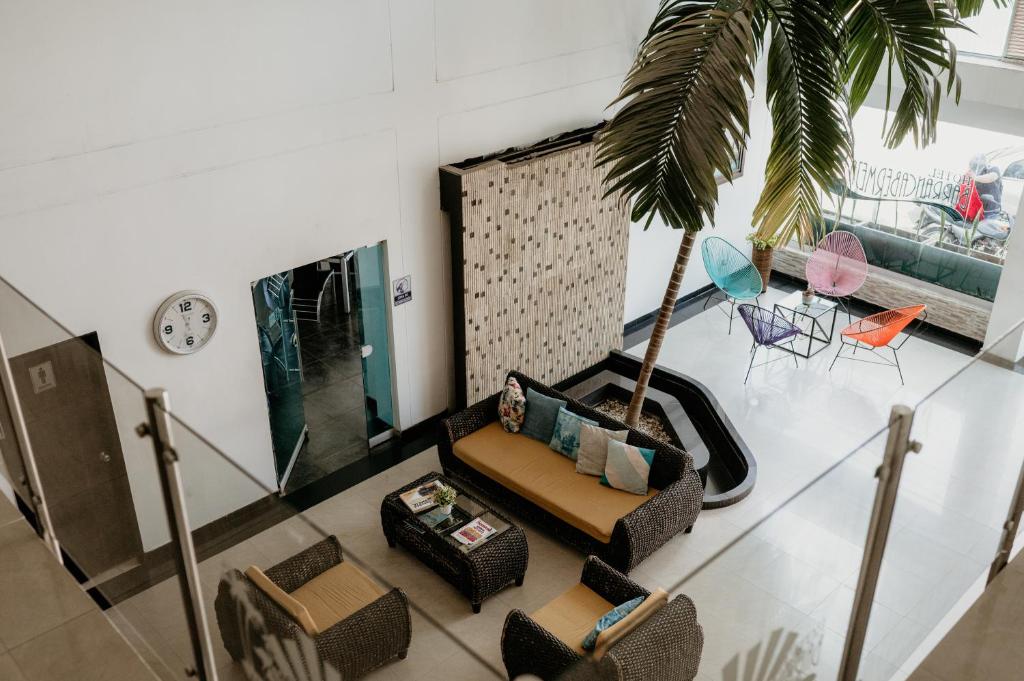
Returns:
(772, 580)
(953, 500)
(100, 485)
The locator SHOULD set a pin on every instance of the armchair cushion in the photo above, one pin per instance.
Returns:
(290, 605)
(571, 616)
(530, 469)
(336, 594)
(566, 438)
(625, 626)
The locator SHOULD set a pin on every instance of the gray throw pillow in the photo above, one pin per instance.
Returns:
(541, 414)
(593, 452)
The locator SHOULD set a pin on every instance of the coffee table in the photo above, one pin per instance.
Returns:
(809, 319)
(478, 571)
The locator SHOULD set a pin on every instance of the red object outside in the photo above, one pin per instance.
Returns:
(969, 204)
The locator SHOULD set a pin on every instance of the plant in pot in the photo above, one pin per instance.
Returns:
(762, 250)
(683, 117)
(445, 496)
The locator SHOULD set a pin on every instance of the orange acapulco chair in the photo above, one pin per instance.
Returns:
(879, 331)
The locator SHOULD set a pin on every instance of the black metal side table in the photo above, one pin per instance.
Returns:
(809, 319)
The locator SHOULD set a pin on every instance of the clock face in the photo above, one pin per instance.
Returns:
(185, 322)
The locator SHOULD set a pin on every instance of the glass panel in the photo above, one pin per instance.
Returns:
(102, 492)
(373, 287)
(282, 368)
(952, 503)
(943, 214)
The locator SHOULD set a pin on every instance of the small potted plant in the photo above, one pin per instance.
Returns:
(807, 297)
(763, 250)
(444, 496)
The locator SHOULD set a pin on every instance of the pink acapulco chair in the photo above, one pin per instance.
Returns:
(838, 267)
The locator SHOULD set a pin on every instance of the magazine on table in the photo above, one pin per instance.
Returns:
(474, 532)
(420, 498)
(439, 521)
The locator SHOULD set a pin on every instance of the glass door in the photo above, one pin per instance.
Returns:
(282, 369)
(372, 287)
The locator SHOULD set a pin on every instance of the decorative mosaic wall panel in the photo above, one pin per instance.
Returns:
(543, 266)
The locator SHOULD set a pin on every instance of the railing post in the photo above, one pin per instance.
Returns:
(28, 459)
(158, 429)
(1010, 529)
(896, 447)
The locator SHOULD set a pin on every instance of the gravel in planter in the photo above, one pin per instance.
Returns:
(649, 424)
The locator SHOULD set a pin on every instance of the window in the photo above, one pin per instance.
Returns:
(995, 32)
(942, 214)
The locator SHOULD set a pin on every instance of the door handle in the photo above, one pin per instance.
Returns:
(366, 351)
(104, 457)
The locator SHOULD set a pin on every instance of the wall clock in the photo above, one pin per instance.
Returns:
(185, 322)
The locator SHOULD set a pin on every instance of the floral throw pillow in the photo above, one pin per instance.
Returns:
(566, 438)
(512, 406)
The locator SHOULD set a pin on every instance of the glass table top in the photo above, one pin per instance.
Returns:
(464, 511)
(818, 306)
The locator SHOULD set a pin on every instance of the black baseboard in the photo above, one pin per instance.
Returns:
(262, 514)
(639, 329)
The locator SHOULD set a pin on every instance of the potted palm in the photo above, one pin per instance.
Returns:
(762, 250)
(683, 117)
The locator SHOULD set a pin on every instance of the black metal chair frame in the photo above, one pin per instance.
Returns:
(726, 298)
(882, 359)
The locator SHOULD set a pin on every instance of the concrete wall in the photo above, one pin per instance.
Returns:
(149, 147)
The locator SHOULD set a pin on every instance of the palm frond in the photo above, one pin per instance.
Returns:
(970, 8)
(911, 36)
(684, 112)
(812, 142)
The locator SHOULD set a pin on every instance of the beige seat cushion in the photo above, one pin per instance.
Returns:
(335, 594)
(615, 633)
(571, 616)
(533, 470)
(297, 610)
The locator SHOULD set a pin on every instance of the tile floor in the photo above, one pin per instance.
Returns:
(44, 611)
(764, 568)
(332, 387)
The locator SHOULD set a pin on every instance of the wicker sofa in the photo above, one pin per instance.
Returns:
(623, 541)
(666, 646)
(353, 623)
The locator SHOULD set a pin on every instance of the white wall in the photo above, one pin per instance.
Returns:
(148, 147)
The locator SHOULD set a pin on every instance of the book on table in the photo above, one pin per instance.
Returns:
(474, 532)
(420, 498)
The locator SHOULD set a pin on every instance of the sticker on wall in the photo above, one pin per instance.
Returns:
(403, 290)
(42, 377)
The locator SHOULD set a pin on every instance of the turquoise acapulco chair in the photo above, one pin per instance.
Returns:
(732, 272)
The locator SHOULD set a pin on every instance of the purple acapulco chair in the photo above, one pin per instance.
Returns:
(838, 267)
(768, 330)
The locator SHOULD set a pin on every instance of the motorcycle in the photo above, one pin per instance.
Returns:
(978, 222)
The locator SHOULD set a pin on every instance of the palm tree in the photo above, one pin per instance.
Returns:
(684, 109)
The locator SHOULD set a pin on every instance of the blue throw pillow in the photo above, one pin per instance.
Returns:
(566, 438)
(541, 414)
(612, 617)
(628, 468)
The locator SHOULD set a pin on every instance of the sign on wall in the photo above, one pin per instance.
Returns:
(402, 290)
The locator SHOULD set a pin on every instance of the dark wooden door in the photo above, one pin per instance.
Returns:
(70, 420)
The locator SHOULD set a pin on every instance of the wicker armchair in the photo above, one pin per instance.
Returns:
(252, 623)
(637, 535)
(665, 647)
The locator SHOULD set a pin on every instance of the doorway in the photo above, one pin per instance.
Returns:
(325, 345)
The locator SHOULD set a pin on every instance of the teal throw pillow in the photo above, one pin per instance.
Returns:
(628, 468)
(612, 617)
(541, 414)
(566, 437)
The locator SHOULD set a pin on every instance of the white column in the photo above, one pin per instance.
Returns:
(1008, 309)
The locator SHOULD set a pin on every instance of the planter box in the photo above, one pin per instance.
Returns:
(692, 415)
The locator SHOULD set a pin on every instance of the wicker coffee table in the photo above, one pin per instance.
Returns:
(479, 571)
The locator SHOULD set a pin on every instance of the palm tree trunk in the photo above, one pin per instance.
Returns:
(668, 305)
